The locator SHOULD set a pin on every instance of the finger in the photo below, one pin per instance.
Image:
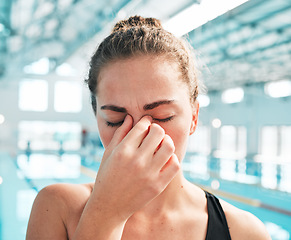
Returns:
(136, 135)
(164, 153)
(121, 132)
(153, 139)
(170, 169)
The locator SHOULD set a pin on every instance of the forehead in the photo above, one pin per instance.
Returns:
(142, 72)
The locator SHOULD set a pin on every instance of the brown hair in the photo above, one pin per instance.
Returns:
(137, 36)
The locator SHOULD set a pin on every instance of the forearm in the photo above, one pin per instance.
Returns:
(99, 223)
(88, 231)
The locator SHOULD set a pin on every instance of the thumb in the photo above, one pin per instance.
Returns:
(121, 132)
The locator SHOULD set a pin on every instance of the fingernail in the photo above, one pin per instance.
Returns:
(127, 117)
(149, 118)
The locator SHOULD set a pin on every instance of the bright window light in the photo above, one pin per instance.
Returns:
(269, 140)
(41, 66)
(232, 95)
(216, 123)
(43, 135)
(228, 139)
(203, 100)
(278, 89)
(199, 14)
(2, 119)
(199, 142)
(286, 143)
(68, 96)
(33, 95)
(65, 70)
(232, 143)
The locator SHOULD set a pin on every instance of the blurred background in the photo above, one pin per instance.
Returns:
(241, 150)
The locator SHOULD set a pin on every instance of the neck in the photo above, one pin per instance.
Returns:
(177, 195)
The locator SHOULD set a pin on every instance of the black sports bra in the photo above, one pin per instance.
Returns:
(217, 228)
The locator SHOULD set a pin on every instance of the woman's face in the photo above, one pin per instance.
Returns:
(145, 85)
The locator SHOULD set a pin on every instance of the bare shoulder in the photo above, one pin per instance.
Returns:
(53, 206)
(59, 197)
(243, 225)
(66, 193)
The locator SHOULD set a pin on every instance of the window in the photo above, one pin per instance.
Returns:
(285, 148)
(41, 135)
(227, 148)
(285, 153)
(269, 141)
(68, 96)
(228, 139)
(269, 152)
(276, 141)
(200, 141)
(33, 95)
(232, 142)
(242, 140)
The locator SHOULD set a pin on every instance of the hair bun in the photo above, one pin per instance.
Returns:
(136, 21)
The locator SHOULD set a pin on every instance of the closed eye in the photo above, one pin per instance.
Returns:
(111, 124)
(118, 124)
(163, 119)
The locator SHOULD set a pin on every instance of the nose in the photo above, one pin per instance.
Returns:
(144, 118)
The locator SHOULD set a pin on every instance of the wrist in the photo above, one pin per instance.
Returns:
(99, 221)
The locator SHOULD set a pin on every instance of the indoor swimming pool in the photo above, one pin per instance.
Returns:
(21, 178)
(209, 74)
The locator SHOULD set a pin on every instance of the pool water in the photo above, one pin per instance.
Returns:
(22, 177)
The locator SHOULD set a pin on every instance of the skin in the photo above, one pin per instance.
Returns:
(144, 118)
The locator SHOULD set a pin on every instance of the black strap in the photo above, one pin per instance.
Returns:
(217, 227)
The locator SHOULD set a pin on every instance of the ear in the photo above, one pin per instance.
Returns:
(195, 111)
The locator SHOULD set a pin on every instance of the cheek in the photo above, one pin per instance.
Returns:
(179, 134)
(180, 141)
(106, 133)
(105, 138)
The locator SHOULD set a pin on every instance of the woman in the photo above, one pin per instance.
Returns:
(144, 88)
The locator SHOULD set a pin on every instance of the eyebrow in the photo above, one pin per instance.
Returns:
(156, 104)
(114, 108)
(146, 107)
